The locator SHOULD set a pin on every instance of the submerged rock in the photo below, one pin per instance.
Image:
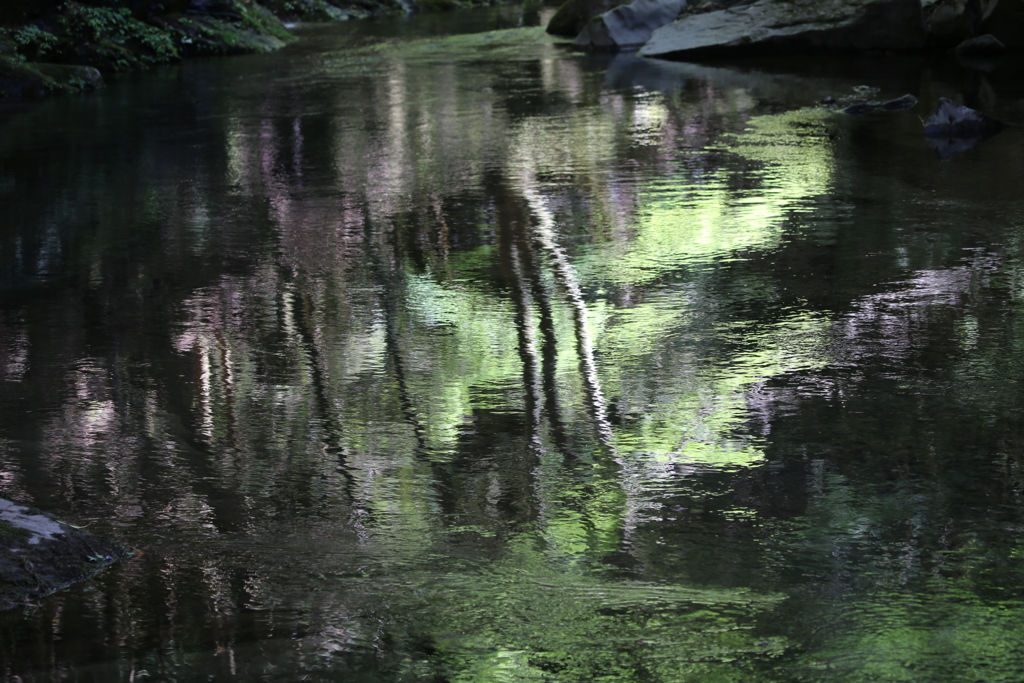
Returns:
(794, 25)
(628, 26)
(864, 100)
(40, 555)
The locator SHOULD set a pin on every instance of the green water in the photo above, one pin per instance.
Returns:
(404, 355)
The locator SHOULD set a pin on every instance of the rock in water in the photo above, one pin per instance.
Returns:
(627, 26)
(39, 555)
(794, 25)
(953, 128)
(952, 120)
(901, 103)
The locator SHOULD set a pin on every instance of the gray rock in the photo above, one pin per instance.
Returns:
(902, 103)
(628, 26)
(40, 555)
(952, 121)
(224, 9)
(1004, 19)
(794, 25)
(949, 22)
(982, 46)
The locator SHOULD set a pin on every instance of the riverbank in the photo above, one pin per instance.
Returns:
(64, 47)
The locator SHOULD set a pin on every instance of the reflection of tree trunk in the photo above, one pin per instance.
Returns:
(565, 275)
(302, 308)
(526, 331)
(549, 348)
(537, 234)
(524, 276)
(395, 356)
(389, 279)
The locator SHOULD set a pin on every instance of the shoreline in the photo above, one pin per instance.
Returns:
(70, 47)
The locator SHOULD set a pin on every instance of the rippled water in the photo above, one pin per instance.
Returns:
(428, 349)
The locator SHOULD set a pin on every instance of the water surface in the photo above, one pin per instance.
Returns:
(428, 349)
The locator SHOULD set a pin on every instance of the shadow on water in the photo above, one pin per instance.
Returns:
(432, 350)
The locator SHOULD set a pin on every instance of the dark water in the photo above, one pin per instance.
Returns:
(408, 357)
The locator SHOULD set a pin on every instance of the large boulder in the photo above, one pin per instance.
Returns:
(628, 26)
(574, 15)
(1004, 19)
(794, 26)
(947, 22)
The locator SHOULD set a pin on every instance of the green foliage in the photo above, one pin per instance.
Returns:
(30, 41)
(114, 38)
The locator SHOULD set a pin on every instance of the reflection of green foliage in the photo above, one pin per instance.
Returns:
(522, 620)
(944, 634)
(708, 403)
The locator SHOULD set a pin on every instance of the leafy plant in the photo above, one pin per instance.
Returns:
(30, 42)
(114, 36)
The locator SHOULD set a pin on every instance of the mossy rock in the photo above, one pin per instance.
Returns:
(20, 79)
(306, 10)
(201, 35)
(248, 28)
(40, 555)
(571, 17)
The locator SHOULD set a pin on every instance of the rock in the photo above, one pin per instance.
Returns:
(952, 120)
(72, 75)
(20, 79)
(794, 26)
(207, 34)
(306, 10)
(949, 22)
(39, 555)
(902, 103)
(629, 25)
(223, 9)
(574, 15)
(1004, 19)
(982, 46)
(953, 128)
